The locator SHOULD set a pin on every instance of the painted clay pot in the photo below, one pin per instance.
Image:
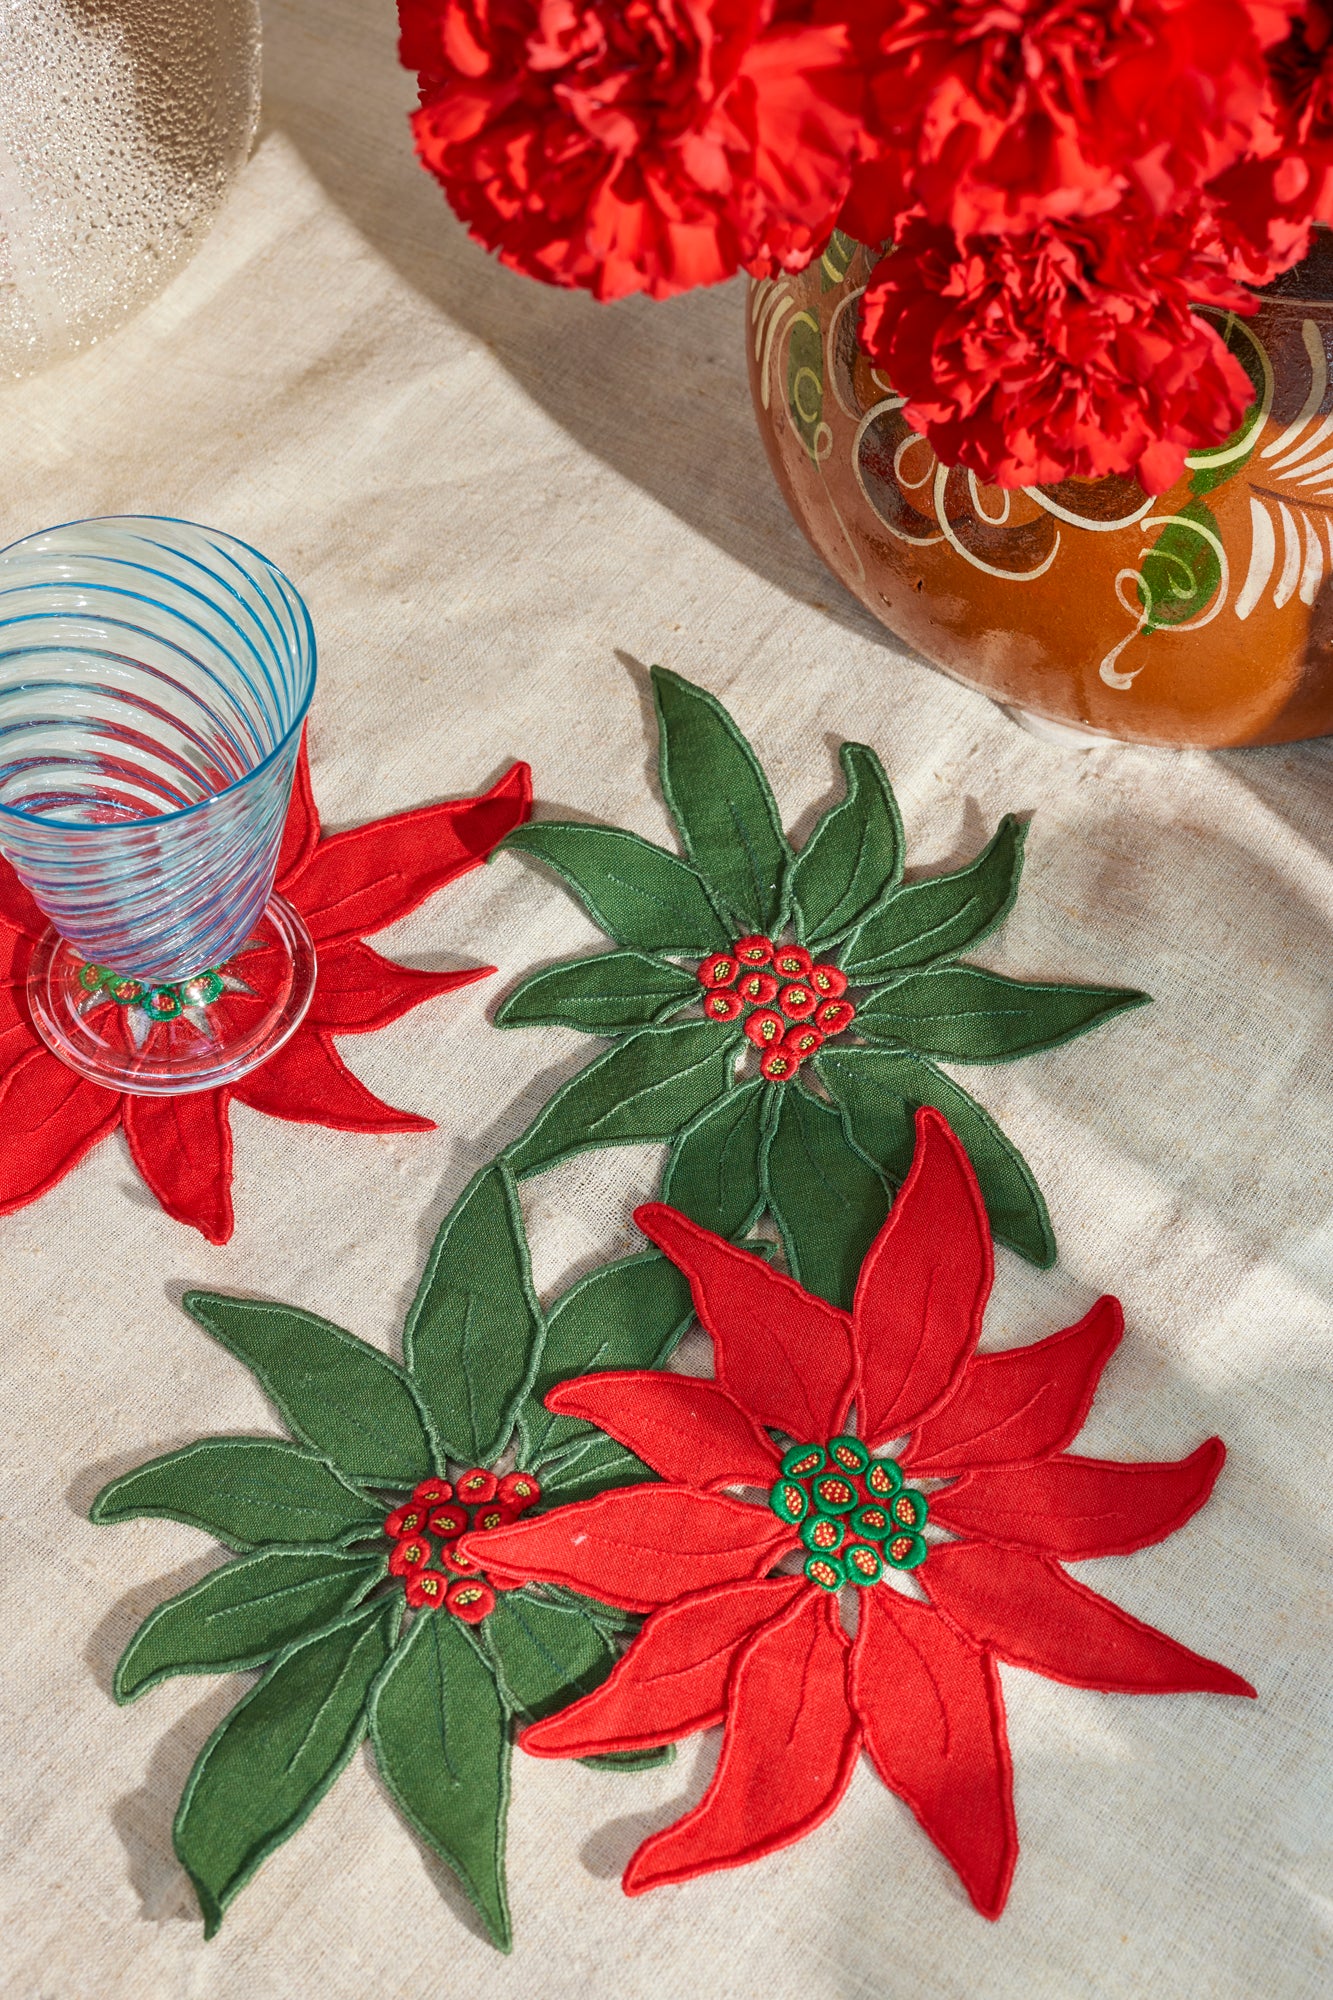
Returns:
(1203, 615)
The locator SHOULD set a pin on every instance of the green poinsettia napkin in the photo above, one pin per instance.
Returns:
(348, 1592)
(779, 1016)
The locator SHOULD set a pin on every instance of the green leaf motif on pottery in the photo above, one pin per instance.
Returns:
(805, 381)
(1211, 468)
(1182, 571)
(836, 260)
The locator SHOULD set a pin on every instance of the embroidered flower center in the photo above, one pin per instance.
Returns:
(791, 1003)
(426, 1529)
(852, 1512)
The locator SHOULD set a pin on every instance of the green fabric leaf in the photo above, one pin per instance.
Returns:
(715, 1173)
(591, 1468)
(243, 1491)
(441, 1737)
(646, 1087)
(931, 921)
(632, 1760)
(630, 1314)
(606, 995)
(269, 1763)
(340, 1396)
(828, 1200)
(639, 894)
(546, 1654)
(473, 1331)
(853, 861)
(965, 1014)
(880, 1090)
(613, 1621)
(720, 800)
(243, 1614)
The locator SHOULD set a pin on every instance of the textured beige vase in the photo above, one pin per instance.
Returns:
(122, 122)
(1203, 615)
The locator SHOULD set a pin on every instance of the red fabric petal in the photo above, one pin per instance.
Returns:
(923, 1287)
(638, 1546)
(18, 912)
(307, 1081)
(18, 1037)
(1024, 1608)
(785, 1356)
(357, 990)
(787, 1755)
(300, 835)
(370, 876)
(182, 1148)
(690, 1431)
(1021, 1404)
(932, 1712)
(673, 1680)
(50, 1118)
(1080, 1507)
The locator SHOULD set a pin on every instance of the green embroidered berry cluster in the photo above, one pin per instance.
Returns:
(163, 1003)
(795, 1004)
(852, 1511)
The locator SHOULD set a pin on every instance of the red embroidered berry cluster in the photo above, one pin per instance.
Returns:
(426, 1529)
(794, 1003)
(852, 1511)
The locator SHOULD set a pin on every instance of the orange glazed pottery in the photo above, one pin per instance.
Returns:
(1203, 615)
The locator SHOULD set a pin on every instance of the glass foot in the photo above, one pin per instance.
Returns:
(162, 1041)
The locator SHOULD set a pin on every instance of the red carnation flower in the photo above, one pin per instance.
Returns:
(1069, 352)
(732, 1638)
(1266, 205)
(636, 145)
(999, 118)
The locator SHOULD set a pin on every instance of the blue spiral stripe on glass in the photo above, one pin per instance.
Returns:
(154, 676)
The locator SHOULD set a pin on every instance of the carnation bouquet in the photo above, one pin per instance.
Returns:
(1055, 188)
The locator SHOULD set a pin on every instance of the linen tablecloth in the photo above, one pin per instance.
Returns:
(501, 503)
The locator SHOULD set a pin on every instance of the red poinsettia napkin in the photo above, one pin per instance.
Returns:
(740, 1555)
(345, 885)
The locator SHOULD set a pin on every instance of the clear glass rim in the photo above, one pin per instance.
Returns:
(237, 784)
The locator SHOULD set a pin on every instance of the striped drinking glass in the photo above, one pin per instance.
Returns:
(154, 679)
